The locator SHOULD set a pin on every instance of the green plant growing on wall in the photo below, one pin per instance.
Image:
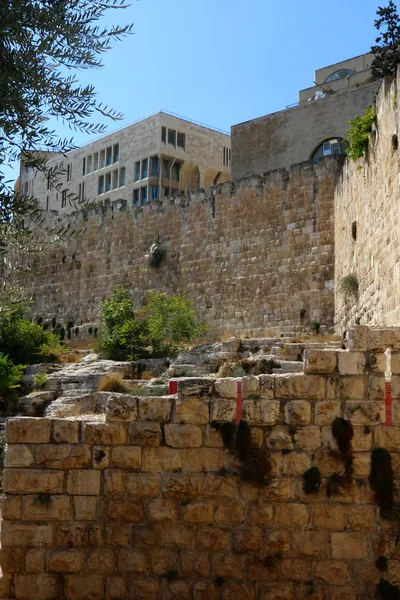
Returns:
(40, 380)
(315, 326)
(358, 134)
(349, 285)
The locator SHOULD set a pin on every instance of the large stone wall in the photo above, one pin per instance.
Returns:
(149, 505)
(290, 136)
(367, 208)
(250, 255)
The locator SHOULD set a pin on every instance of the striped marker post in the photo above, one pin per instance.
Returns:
(173, 386)
(388, 388)
(239, 402)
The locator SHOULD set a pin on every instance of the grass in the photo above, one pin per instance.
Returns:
(112, 382)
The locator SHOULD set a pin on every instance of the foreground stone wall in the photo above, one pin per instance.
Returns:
(149, 505)
(250, 255)
(367, 224)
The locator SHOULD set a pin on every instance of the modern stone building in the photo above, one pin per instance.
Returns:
(152, 158)
(314, 128)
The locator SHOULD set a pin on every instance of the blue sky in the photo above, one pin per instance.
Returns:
(222, 62)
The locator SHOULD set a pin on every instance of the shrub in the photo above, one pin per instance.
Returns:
(315, 326)
(112, 382)
(40, 380)
(10, 377)
(349, 285)
(358, 134)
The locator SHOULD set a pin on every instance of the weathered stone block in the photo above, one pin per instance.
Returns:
(329, 516)
(352, 388)
(199, 513)
(234, 590)
(212, 539)
(311, 543)
(24, 481)
(362, 464)
(114, 482)
(326, 412)
(101, 457)
(300, 385)
(279, 439)
(212, 438)
(308, 438)
(162, 509)
(11, 508)
(229, 514)
(127, 457)
(216, 486)
(377, 388)
(131, 561)
(297, 412)
(43, 586)
(181, 485)
(74, 535)
(63, 456)
(276, 542)
(320, 361)
(183, 436)
(46, 508)
(223, 409)
(195, 386)
(361, 518)
(380, 339)
(18, 455)
(162, 560)
(145, 589)
(104, 433)
(261, 514)
(116, 588)
(82, 587)
(261, 412)
(121, 407)
(176, 536)
(142, 485)
(28, 430)
(333, 572)
(351, 363)
(205, 590)
(251, 387)
(155, 409)
(12, 560)
(65, 431)
(377, 363)
(296, 463)
(202, 459)
(145, 434)
(387, 437)
(85, 508)
(362, 439)
(297, 569)
(65, 561)
(279, 490)
(175, 590)
(226, 388)
(161, 459)
(350, 546)
(122, 510)
(117, 535)
(83, 483)
(267, 387)
(291, 515)
(357, 338)
(365, 413)
(20, 534)
(229, 566)
(192, 410)
(35, 560)
(277, 591)
(194, 565)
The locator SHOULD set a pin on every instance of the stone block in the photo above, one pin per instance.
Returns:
(234, 590)
(175, 590)
(162, 509)
(101, 457)
(261, 412)
(300, 385)
(5, 585)
(205, 590)
(145, 589)
(121, 407)
(114, 482)
(326, 412)
(63, 456)
(161, 459)
(361, 518)
(251, 387)
(85, 508)
(180, 485)
(82, 587)
(192, 410)
(30, 536)
(73, 535)
(223, 409)
(351, 363)
(365, 413)
(276, 542)
(357, 338)
(202, 459)
(65, 561)
(35, 560)
(291, 515)
(194, 565)
(229, 566)
(65, 431)
(279, 490)
(162, 560)
(388, 437)
(343, 593)
(362, 464)
(267, 387)
(145, 434)
(155, 409)
(279, 438)
(41, 586)
(116, 588)
(296, 569)
(46, 508)
(12, 560)
(297, 412)
(195, 386)
(28, 430)
(117, 535)
(276, 591)
(176, 536)
(18, 455)
(216, 486)
(352, 388)
(226, 388)
(199, 513)
(351, 546)
(212, 539)
(377, 363)
(329, 516)
(228, 514)
(104, 433)
(11, 508)
(83, 483)
(320, 361)
(127, 457)
(212, 438)
(124, 510)
(142, 485)
(380, 339)
(377, 388)
(183, 436)
(333, 572)
(261, 514)
(131, 561)
(25, 481)
(311, 543)
(308, 438)
(296, 464)
(362, 439)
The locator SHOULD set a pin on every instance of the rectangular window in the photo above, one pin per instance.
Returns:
(63, 198)
(145, 168)
(172, 137)
(101, 184)
(137, 170)
(175, 172)
(122, 177)
(115, 179)
(163, 134)
(69, 172)
(154, 192)
(83, 192)
(181, 140)
(136, 197)
(80, 192)
(144, 195)
(165, 168)
(155, 171)
(102, 159)
(26, 187)
(108, 182)
(89, 164)
(223, 159)
(109, 156)
(230, 155)
(115, 153)
(165, 190)
(47, 203)
(96, 161)
(84, 166)
(48, 182)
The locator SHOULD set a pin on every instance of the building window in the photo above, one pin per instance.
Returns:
(155, 171)
(108, 182)
(181, 140)
(341, 74)
(172, 137)
(80, 192)
(137, 170)
(163, 134)
(26, 190)
(63, 198)
(83, 192)
(89, 164)
(108, 156)
(333, 146)
(115, 153)
(84, 166)
(101, 184)
(47, 203)
(69, 172)
(175, 172)
(115, 179)
(145, 168)
(144, 195)
(122, 177)
(48, 182)
(165, 168)
(136, 197)
(96, 161)
(165, 191)
(102, 159)
(154, 192)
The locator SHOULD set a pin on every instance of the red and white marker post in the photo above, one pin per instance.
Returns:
(239, 402)
(388, 388)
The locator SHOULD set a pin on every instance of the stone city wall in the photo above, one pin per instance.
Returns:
(367, 224)
(149, 504)
(250, 255)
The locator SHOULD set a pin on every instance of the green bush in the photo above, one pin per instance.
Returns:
(358, 134)
(159, 328)
(10, 377)
(25, 342)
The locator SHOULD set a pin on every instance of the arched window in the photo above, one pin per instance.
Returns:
(332, 146)
(339, 75)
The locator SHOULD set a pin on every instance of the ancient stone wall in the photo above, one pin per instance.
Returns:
(250, 255)
(148, 504)
(367, 224)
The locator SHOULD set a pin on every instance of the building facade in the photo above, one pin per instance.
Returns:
(155, 157)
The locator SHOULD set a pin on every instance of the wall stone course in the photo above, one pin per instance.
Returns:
(155, 409)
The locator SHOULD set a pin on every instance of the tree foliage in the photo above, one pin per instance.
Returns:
(387, 48)
(42, 44)
(358, 134)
